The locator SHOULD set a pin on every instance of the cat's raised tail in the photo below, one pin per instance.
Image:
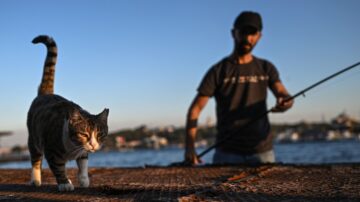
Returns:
(47, 81)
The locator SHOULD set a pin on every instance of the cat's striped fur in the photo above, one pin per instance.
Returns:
(59, 129)
(47, 82)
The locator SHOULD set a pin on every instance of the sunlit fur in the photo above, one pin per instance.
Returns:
(61, 130)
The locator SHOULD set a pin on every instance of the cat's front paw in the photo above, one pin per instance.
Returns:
(84, 181)
(36, 183)
(35, 177)
(66, 187)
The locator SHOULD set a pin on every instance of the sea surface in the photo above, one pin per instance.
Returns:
(299, 153)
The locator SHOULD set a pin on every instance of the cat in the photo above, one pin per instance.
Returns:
(60, 129)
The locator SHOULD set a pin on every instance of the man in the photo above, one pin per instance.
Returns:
(239, 84)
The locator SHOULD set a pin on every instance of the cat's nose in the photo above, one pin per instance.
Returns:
(94, 145)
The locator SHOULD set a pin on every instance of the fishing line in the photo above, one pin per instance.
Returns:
(321, 90)
(337, 86)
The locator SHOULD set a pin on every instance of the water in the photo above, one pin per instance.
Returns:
(319, 152)
(304, 153)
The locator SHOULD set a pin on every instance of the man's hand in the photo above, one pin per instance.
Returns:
(191, 157)
(283, 104)
(191, 128)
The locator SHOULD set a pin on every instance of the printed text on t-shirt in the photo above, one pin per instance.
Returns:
(246, 79)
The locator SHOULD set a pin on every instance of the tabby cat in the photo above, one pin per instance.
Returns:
(60, 129)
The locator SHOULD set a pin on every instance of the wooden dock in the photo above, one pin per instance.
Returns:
(272, 182)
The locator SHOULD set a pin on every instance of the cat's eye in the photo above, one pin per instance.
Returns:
(84, 135)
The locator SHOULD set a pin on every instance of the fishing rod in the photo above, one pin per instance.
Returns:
(302, 92)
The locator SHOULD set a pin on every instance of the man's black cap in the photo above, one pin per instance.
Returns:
(248, 18)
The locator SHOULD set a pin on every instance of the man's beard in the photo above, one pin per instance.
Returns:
(243, 48)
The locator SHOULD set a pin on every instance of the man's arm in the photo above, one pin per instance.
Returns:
(280, 92)
(191, 128)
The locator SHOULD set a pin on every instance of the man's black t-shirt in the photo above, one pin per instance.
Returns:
(240, 91)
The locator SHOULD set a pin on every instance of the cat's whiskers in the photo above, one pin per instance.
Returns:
(76, 152)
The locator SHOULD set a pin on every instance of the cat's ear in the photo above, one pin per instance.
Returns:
(75, 117)
(103, 115)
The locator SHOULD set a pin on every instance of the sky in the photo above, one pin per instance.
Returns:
(145, 59)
